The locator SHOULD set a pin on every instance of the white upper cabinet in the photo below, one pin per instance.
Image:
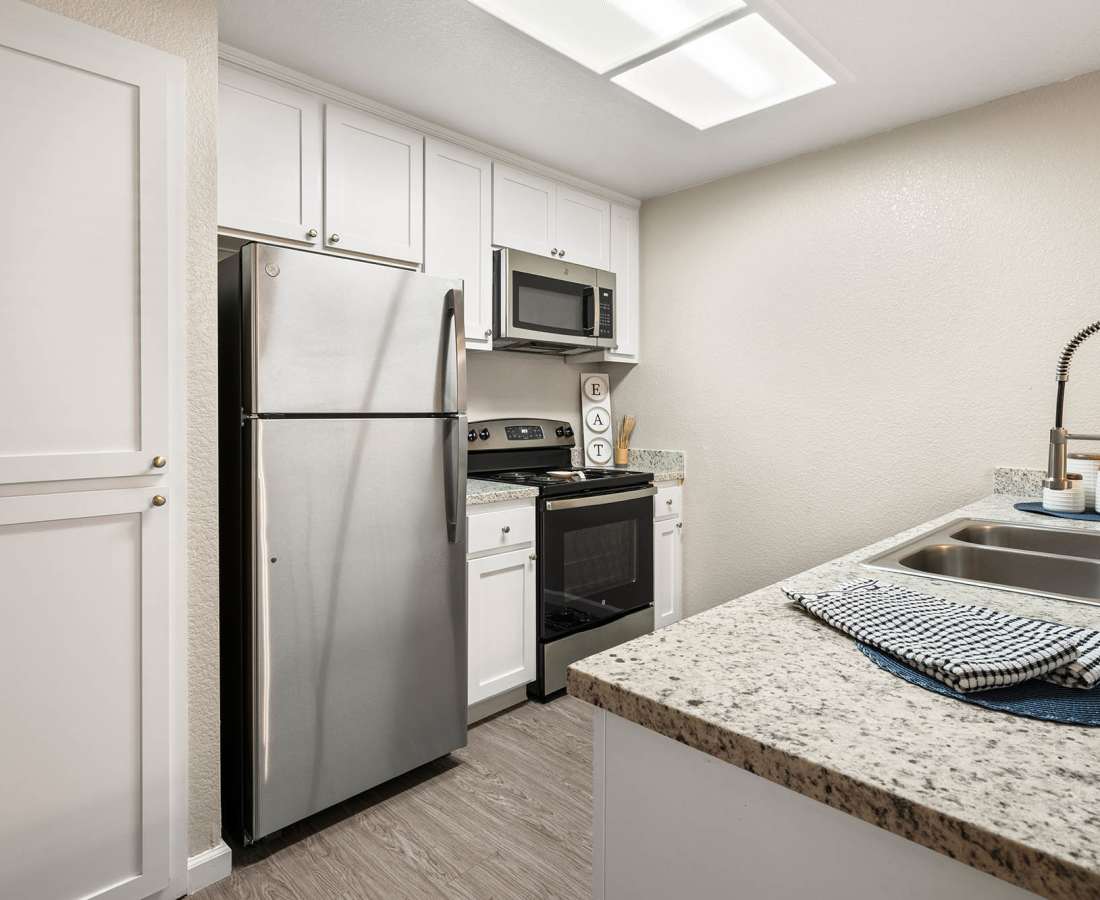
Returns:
(458, 195)
(583, 228)
(90, 155)
(624, 263)
(374, 186)
(541, 216)
(269, 157)
(523, 210)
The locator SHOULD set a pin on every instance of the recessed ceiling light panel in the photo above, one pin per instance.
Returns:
(604, 34)
(727, 73)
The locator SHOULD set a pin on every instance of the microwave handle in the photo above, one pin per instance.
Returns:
(589, 310)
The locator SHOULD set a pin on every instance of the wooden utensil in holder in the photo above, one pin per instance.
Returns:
(622, 441)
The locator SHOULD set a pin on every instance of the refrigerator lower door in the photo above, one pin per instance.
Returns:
(332, 335)
(359, 664)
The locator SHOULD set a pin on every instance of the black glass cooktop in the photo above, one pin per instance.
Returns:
(571, 481)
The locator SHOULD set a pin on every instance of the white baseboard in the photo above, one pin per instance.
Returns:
(203, 869)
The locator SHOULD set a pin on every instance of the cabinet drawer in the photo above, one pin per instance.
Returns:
(497, 530)
(668, 501)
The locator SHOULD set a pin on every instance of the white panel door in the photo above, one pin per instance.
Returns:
(458, 196)
(523, 210)
(667, 565)
(583, 228)
(624, 263)
(84, 695)
(269, 157)
(90, 163)
(374, 186)
(501, 621)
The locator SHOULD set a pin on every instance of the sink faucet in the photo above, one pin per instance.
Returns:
(1056, 479)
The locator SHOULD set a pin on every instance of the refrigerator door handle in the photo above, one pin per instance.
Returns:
(454, 478)
(457, 312)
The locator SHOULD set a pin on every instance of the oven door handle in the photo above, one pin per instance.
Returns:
(600, 499)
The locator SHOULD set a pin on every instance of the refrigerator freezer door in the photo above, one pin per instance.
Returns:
(359, 670)
(332, 335)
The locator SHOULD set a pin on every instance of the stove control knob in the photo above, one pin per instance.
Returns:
(484, 434)
(559, 431)
(472, 435)
(568, 431)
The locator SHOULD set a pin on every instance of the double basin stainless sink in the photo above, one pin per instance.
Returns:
(1030, 559)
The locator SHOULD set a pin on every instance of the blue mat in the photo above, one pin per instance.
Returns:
(1036, 506)
(1033, 699)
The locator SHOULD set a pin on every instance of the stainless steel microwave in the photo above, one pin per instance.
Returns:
(544, 305)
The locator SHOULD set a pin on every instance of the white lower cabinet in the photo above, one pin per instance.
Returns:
(501, 603)
(668, 529)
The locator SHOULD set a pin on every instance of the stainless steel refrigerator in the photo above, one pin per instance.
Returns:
(343, 509)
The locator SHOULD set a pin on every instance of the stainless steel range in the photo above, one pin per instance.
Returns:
(594, 541)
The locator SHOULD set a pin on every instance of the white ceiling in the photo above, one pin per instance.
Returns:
(895, 61)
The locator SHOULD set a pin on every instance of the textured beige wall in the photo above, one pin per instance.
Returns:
(846, 343)
(189, 29)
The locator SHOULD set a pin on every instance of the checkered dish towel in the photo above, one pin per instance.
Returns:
(968, 648)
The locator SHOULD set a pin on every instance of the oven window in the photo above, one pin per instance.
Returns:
(600, 558)
(549, 304)
(595, 564)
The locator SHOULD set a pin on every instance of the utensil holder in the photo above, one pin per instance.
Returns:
(622, 456)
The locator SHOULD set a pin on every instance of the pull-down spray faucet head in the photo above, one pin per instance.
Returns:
(1056, 479)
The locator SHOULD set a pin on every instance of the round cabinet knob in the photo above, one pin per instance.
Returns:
(668, 502)
(484, 435)
(532, 557)
(507, 529)
(554, 252)
(312, 233)
(561, 253)
(159, 462)
(488, 332)
(334, 238)
(158, 500)
(679, 524)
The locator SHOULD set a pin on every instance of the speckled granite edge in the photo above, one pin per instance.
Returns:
(1012, 797)
(991, 853)
(1019, 482)
(480, 492)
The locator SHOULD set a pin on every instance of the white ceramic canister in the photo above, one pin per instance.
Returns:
(1088, 464)
(1071, 500)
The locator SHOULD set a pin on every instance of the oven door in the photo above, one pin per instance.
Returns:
(546, 300)
(596, 560)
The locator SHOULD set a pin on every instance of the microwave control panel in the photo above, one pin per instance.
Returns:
(607, 314)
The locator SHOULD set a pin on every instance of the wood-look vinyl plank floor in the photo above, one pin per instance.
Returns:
(508, 817)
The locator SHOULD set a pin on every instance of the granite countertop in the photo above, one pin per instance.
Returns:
(479, 492)
(762, 685)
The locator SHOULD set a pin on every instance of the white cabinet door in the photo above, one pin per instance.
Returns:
(583, 231)
(624, 263)
(91, 176)
(269, 157)
(501, 621)
(523, 210)
(374, 186)
(84, 695)
(667, 585)
(458, 196)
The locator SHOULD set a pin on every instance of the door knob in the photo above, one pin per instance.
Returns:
(312, 233)
(334, 238)
(158, 500)
(159, 462)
